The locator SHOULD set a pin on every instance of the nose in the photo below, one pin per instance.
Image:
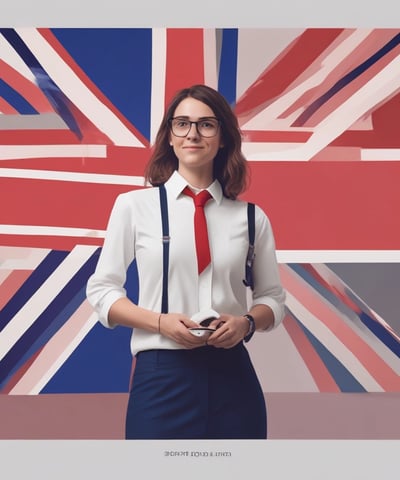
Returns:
(193, 131)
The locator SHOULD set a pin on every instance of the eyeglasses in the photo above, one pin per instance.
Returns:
(206, 127)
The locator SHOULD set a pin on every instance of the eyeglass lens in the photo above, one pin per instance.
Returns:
(206, 127)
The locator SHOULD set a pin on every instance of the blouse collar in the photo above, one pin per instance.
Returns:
(176, 184)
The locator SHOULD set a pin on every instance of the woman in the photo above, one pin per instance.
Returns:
(184, 385)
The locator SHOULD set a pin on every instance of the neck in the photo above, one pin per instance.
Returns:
(197, 179)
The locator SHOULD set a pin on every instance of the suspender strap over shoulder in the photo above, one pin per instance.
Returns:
(249, 280)
(165, 241)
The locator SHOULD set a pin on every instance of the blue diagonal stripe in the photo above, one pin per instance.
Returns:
(53, 313)
(373, 325)
(117, 60)
(100, 364)
(382, 333)
(56, 97)
(15, 99)
(346, 79)
(228, 65)
(35, 280)
(343, 378)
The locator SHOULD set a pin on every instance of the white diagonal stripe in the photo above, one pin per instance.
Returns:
(58, 362)
(66, 79)
(338, 256)
(21, 258)
(72, 176)
(50, 231)
(158, 67)
(20, 152)
(333, 344)
(40, 300)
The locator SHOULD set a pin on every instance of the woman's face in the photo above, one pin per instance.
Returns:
(195, 152)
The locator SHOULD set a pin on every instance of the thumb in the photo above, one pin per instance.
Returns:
(189, 323)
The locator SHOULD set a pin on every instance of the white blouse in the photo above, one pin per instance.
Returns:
(134, 232)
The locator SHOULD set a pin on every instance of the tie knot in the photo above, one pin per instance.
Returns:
(200, 199)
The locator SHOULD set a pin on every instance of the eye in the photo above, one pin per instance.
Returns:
(181, 123)
(207, 124)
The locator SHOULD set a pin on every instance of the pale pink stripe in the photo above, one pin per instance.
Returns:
(308, 83)
(316, 366)
(210, 60)
(53, 350)
(3, 275)
(337, 62)
(15, 252)
(382, 373)
(338, 154)
(21, 258)
(289, 375)
(331, 278)
(340, 48)
(12, 284)
(350, 89)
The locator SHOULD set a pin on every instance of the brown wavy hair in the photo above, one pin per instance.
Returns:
(230, 166)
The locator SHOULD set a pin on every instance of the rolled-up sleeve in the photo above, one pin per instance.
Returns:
(106, 285)
(268, 289)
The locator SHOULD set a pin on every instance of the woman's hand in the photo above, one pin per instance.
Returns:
(230, 331)
(176, 327)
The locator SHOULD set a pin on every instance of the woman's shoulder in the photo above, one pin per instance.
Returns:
(126, 203)
(261, 217)
(241, 204)
(137, 195)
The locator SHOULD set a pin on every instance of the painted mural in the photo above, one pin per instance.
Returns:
(79, 109)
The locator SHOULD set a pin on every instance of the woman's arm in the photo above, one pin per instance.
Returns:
(172, 325)
(105, 288)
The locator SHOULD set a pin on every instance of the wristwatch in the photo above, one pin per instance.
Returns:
(252, 327)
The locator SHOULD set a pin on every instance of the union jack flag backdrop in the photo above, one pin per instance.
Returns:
(319, 110)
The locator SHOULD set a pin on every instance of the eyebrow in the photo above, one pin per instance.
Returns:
(200, 118)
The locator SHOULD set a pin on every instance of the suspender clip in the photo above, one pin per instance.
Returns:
(250, 256)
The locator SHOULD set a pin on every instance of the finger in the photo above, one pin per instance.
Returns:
(217, 323)
(226, 337)
(219, 341)
(220, 332)
(191, 339)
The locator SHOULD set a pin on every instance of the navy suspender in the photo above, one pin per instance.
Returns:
(249, 281)
(165, 240)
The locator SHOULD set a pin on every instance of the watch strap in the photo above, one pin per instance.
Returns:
(252, 327)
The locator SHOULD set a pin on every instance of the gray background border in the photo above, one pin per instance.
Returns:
(251, 459)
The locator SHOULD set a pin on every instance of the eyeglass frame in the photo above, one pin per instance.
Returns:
(195, 123)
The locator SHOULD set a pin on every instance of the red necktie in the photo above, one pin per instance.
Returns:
(200, 228)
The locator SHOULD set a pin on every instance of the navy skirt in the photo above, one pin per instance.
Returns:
(204, 393)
